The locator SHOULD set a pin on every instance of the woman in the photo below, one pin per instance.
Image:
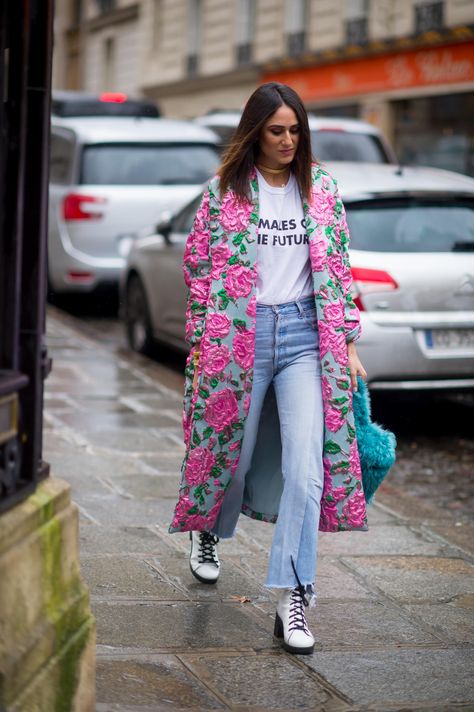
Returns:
(268, 421)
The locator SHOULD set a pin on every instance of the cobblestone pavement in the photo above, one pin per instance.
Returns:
(394, 621)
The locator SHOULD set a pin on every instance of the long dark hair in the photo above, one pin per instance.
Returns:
(239, 158)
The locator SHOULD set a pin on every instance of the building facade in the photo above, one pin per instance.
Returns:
(405, 65)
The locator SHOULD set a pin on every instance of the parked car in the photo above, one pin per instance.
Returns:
(412, 261)
(109, 178)
(332, 139)
(82, 103)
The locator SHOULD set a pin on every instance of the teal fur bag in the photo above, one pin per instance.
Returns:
(376, 445)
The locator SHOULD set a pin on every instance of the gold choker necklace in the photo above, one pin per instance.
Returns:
(274, 171)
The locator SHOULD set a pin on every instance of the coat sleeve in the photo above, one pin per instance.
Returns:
(196, 270)
(351, 312)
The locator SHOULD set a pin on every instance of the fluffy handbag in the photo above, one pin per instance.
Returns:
(376, 445)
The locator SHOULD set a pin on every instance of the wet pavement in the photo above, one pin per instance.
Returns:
(394, 621)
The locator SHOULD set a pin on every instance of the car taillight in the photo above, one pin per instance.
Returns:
(113, 97)
(366, 280)
(73, 207)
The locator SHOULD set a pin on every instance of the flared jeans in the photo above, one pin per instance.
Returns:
(287, 354)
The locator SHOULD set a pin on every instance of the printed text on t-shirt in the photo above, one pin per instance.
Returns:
(283, 240)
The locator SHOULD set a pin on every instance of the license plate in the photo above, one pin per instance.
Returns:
(449, 339)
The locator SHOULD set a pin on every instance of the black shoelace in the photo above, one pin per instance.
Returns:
(297, 620)
(298, 601)
(207, 553)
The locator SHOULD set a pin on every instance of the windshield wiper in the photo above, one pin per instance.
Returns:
(463, 247)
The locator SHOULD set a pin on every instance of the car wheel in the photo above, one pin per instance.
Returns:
(137, 318)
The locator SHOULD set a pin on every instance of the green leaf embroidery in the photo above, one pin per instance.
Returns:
(332, 447)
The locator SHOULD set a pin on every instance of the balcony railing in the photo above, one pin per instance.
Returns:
(357, 31)
(244, 54)
(106, 5)
(192, 64)
(296, 43)
(428, 17)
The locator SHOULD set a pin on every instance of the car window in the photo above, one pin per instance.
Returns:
(332, 145)
(60, 159)
(411, 225)
(148, 164)
(183, 222)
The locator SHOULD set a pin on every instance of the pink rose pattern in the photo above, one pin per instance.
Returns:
(220, 270)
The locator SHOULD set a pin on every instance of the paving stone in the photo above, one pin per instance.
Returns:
(112, 509)
(128, 440)
(452, 622)
(391, 679)
(101, 405)
(381, 539)
(173, 626)
(460, 534)
(355, 624)
(376, 515)
(405, 505)
(85, 422)
(162, 684)
(333, 581)
(165, 463)
(266, 682)
(70, 461)
(149, 486)
(417, 577)
(95, 539)
(232, 583)
(261, 533)
(126, 576)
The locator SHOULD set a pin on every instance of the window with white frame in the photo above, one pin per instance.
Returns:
(194, 34)
(245, 26)
(296, 22)
(356, 15)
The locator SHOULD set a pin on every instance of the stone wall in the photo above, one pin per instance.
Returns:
(47, 631)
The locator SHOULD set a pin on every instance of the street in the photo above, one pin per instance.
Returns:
(392, 620)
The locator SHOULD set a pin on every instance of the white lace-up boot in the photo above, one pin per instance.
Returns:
(290, 622)
(203, 560)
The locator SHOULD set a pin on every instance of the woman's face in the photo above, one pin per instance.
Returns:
(279, 138)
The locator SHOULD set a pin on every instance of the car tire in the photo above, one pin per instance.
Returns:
(137, 318)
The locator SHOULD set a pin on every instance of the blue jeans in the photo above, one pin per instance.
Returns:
(287, 353)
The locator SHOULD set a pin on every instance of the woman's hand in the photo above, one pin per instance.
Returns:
(355, 366)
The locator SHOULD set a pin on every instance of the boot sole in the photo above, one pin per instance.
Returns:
(278, 633)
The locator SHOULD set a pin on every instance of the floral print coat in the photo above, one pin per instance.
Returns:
(220, 270)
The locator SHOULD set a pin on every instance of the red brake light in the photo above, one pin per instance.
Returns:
(81, 277)
(73, 207)
(114, 97)
(367, 280)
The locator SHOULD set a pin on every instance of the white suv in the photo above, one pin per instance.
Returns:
(332, 139)
(109, 179)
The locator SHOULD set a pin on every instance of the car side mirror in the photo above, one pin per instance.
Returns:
(164, 226)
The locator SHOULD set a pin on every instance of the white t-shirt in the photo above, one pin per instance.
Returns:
(284, 269)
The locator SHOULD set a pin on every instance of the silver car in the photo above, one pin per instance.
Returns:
(332, 139)
(412, 260)
(110, 177)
